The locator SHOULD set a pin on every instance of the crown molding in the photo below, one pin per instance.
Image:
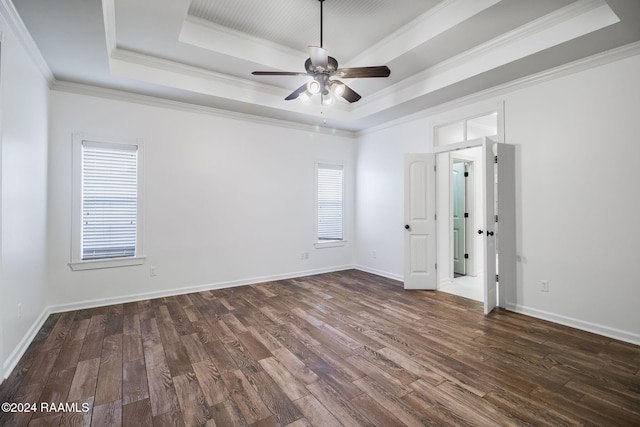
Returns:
(135, 98)
(567, 23)
(217, 38)
(613, 55)
(594, 61)
(432, 23)
(11, 15)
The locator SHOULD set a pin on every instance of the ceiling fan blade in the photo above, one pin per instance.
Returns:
(350, 94)
(296, 93)
(277, 73)
(361, 72)
(319, 56)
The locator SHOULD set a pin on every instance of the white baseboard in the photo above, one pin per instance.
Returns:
(19, 351)
(80, 305)
(21, 348)
(606, 331)
(380, 273)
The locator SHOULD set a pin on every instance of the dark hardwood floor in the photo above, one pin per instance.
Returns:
(345, 348)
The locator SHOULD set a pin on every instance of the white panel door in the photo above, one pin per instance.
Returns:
(420, 222)
(490, 286)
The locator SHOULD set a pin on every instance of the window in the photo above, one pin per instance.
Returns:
(330, 203)
(106, 204)
(467, 129)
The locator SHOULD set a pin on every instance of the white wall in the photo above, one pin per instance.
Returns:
(380, 196)
(577, 196)
(226, 201)
(24, 102)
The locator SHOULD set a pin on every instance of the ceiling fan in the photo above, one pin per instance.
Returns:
(322, 67)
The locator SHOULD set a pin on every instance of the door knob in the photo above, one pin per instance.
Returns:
(480, 231)
(489, 233)
(407, 227)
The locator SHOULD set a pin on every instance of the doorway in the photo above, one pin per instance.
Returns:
(464, 254)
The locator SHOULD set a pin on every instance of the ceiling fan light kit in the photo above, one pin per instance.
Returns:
(321, 67)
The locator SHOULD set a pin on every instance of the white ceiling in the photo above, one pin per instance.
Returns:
(203, 51)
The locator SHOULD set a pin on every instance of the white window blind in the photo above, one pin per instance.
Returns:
(330, 202)
(109, 201)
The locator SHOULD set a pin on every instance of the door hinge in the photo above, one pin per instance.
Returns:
(434, 168)
(435, 217)
(466, 256)
(495, 159)
(466, 214)
(496, 218)
(436, 265)
(466, 174)
(497, 278)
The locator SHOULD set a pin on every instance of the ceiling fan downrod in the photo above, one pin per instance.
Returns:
(321, 15)
(321, 67)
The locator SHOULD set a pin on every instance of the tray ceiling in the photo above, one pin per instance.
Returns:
(203, 51)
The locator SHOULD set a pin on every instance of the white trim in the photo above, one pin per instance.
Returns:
(577, 66)
(106, 263)
(422, 29)
(17, 353)
(337, 165)
(2, 358)
(606, 331)
(597, 60)
(21, 348)
(131, 97)
(11, 15)
(331, 244)
(76, 262)
(388, 275)
(567, 23)
(191, 289)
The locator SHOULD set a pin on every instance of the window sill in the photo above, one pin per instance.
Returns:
(330, 244)
(106, 263)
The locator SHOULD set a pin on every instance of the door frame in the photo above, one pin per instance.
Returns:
(452, 148)
(470, 208)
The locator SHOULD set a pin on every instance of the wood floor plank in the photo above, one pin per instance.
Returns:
(406, 414)
(373, 412)
(344, 410)
(161, 390)
(245, 396)
(193, 405)
(195, 350)
(344, 348)
(56, 390)
(274, 398)
(211, 382)
(285, 379)
(134, 382)
(107, 415)
(295, 366)
(84, 380)
(78, 418)
(227, 414)
(315, 413)
(137, 414)
(109, 386)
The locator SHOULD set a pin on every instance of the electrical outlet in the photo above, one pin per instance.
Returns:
(544, 286)
(153, 271)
